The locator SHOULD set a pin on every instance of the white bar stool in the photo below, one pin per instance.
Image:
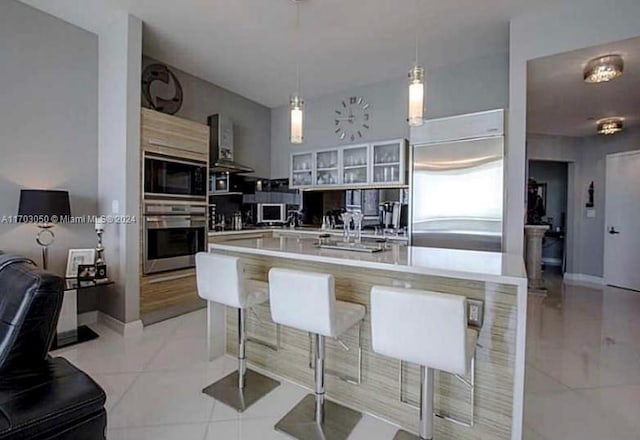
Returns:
(307, 301)
(220, 279)
(425, 328)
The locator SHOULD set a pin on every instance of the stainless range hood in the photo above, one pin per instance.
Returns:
(221, 146)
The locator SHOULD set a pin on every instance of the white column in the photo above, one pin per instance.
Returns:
(533, 259)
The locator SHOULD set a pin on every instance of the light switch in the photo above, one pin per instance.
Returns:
(591, 213)
(115, 207)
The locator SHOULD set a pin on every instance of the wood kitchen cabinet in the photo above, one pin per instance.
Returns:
(173, 136)
(168, 293)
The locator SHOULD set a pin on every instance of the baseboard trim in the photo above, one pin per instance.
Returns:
(87, 318)
(583, 278)
(126, 329)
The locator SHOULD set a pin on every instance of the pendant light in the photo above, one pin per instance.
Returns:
(296, 103)
(416, 85)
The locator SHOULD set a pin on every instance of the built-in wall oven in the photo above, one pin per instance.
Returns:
(174, 178)
(173, 234)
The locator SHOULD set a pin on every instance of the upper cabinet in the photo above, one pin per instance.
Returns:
(173, 136)
(328, 167)
(302, 165)
(388, 162)
(377, 164)
(355, 165)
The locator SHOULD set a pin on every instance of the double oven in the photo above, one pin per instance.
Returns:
(174, 212)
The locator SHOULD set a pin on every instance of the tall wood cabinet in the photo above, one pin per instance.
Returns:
(170, 136)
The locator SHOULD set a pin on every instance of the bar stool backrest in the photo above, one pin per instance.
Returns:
(219, 279)
(303, 300)
(422, 327)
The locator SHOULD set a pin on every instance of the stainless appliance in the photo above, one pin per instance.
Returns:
(221, 146)
(271, 213)
(174, 177)
(225, 183)
(173, 234)
(457, 182)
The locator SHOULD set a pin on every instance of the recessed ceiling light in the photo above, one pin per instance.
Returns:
(603, 69)
(610, 126)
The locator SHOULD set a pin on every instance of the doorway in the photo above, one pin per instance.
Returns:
(551, 180)
(622, 214)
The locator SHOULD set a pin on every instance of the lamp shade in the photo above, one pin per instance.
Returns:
(40, 202)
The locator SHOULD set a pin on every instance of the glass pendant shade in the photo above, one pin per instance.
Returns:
(603, 69)
(296, 106)
(416, 96)
(610, 126)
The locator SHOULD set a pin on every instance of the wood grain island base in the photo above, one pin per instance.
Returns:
(497, 279)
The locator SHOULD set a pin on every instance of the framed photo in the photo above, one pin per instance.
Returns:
(86, 272)
(77, 257)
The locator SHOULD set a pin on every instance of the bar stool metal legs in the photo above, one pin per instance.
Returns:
(426, 409)
(243, 387)
(315, 418)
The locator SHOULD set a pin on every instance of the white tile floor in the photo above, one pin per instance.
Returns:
(582, 382)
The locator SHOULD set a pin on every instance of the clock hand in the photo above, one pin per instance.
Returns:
(349, 118)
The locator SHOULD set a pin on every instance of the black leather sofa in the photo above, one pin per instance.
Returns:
(40, 397)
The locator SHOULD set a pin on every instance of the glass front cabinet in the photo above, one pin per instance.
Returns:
(355, 165)
(388, 162)
(328, 167)
(376, 164)
(302, 169)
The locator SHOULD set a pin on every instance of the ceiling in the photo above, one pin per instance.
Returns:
(559, 102)
(246, 45)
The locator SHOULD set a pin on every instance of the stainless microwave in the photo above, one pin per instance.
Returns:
(174, 178)
(271, 212)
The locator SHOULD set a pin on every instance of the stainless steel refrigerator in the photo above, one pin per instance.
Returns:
(457, 189)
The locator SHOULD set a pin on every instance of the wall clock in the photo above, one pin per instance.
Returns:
(352, 118)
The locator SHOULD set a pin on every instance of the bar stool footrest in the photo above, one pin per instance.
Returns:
(300, 423)
(226, 390)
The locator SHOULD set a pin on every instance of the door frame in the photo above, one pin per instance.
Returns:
(609, 156)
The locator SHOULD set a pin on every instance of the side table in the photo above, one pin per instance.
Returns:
(68, 331)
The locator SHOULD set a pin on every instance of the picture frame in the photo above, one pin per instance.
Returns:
(86, 272)
(77, 257)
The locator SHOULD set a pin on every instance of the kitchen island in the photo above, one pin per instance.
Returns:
(388, 389)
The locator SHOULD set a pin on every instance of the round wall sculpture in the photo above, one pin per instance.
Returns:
(159, 72)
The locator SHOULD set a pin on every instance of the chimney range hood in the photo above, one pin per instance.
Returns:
(221, 146)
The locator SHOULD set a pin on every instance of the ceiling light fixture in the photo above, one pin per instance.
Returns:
(603, 69)
(416, 84)
(296, 103)
(610, 126)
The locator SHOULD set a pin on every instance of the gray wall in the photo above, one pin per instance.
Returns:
(563, 29)
(593, 168)
(554, 175)
(48, 128)
(473, 85)
(587, 163)
(251, 121)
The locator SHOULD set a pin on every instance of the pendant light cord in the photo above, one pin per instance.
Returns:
(297, 47)
(415, 15)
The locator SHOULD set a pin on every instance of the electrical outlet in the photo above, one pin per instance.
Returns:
(475, 313)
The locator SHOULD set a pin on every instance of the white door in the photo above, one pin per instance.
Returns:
(622, 221)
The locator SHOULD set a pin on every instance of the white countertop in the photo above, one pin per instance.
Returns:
(308, 231)
(453, 263)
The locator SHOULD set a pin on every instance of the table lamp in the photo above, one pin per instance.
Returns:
(44, 207)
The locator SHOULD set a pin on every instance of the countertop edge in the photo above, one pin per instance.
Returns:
(471, 276)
